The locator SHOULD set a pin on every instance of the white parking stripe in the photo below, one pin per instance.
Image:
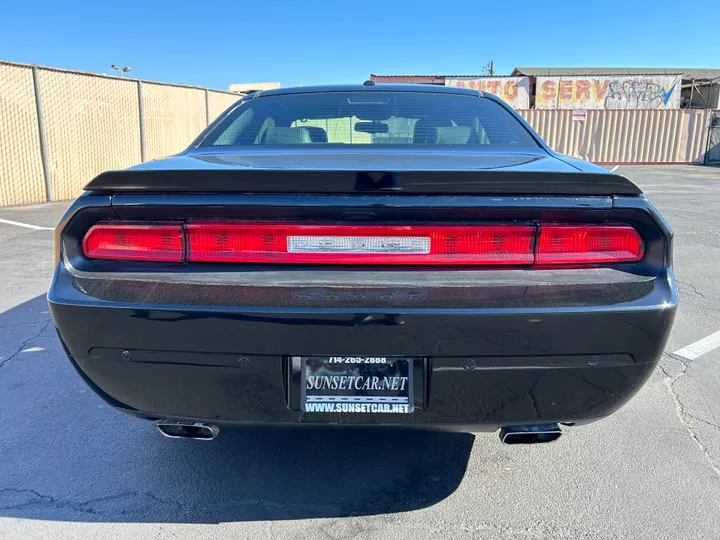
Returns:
(703, 346)
(615, 168)
(26, 225)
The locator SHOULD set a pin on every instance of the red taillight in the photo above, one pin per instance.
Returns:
(587, 244)
(135, 242)
(372, 244)
(364, 244)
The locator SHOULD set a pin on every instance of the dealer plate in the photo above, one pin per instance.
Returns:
(357, 384)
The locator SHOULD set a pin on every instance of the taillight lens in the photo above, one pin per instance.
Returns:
(580, 244)
(135, 242)
(364, 244)
(375, 244)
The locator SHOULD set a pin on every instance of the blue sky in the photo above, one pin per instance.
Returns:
(312, 42)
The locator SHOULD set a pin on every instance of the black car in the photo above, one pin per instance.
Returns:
(365, 255)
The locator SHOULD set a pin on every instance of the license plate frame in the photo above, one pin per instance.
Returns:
(377, 385)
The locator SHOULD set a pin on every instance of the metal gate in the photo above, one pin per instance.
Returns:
(712, 156)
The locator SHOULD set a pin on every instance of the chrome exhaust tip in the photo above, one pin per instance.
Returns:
(544, 433)
(187, 430)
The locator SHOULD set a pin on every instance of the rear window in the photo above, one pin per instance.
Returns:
(372, 117)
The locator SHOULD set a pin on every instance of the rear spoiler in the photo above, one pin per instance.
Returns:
(348, 182)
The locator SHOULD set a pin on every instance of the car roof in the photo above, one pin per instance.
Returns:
(422, 88)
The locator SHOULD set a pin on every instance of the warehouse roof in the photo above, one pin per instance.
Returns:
(687, 73)
(450, 76)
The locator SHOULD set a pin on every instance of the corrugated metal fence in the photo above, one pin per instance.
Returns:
(90, 123)
(625, 136)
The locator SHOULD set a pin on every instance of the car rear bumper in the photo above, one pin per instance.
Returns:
(482, 367)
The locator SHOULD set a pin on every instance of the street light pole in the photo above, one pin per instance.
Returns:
(120, 70)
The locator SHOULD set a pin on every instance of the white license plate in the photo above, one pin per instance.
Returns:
(357, 384)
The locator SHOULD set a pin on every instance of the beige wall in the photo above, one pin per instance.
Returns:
(92, 124)
(174, 116)
(218, 102)
(21, 173)
(625, 136)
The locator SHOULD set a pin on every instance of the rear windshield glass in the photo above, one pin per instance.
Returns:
(372, 117)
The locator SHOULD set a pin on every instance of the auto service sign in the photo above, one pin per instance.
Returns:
(515, 91)
(608, 92)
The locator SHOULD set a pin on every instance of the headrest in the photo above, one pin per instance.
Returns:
(454, 135)
(317, 134)
(287, 135)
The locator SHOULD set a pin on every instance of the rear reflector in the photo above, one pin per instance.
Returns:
(135, 242)
(579, 244)
(374, 244)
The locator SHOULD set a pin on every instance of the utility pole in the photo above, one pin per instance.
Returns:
(490, 68)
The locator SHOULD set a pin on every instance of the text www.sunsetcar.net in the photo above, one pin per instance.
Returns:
(357, 407)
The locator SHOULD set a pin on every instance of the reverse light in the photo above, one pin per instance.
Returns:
(135, 242)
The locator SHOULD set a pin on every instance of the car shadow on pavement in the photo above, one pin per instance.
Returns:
(72, 457)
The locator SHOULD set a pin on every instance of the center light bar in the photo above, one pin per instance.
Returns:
(360, 244)
(270, 243)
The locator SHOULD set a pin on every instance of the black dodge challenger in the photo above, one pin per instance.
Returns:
(365, 255)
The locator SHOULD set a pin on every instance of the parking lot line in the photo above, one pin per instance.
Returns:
(700, 347)
(26, 225)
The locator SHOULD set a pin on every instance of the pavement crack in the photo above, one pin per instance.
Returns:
(702, 420)
(28, 323)
(25, 343)
(87, 506)
(677, 358)
(34, 498)
(37, 498)
(693, 290)
(680, 408)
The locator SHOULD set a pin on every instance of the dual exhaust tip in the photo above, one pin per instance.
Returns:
(187, 430)
(543, 433)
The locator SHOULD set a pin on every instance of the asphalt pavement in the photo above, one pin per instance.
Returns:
(72, 467)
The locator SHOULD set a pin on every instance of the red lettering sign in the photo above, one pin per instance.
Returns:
(600, 89)
(582, 90)
(547, 90)
(565, 89)
(510, 90)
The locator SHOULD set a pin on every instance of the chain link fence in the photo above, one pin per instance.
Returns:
(173, 117)
(21, 166)
(59, 129)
